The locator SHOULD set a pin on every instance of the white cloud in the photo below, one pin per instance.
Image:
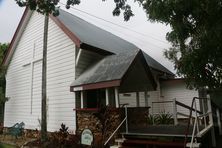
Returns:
(10, 14)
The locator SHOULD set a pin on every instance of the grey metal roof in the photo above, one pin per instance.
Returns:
(97, 37)
(112, 67)
(156, 65)
(93, 35)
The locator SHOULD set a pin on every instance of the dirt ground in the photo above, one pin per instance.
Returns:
(19, 142)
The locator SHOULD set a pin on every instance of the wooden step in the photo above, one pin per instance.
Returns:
(120, 140)
(157, 143)
(114, 146)
(161, 131)
(195, 145)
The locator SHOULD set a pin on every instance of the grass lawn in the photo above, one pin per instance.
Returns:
(6, 146)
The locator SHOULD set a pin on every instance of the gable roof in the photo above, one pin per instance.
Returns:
(97, 37)
(111, 71)
(156, 65)
(85, 35)
(110, 68)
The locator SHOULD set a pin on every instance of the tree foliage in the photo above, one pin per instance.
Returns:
(3, 48)
(51, 6)
(196, 37)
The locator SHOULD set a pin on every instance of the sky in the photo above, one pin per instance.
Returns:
(148, 36)
(10, 15)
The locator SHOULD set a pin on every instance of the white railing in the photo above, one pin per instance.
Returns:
(173, 105)
(206, 113)
(173, 113)
(194, 119)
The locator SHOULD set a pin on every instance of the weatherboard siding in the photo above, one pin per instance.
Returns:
(177, 89)
(18, 78)
(130, 98)
(168, 91)
(60, 74)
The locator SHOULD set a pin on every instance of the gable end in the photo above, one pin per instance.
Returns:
(16, 37)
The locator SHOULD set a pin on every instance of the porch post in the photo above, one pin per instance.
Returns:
(81, 99)
(137, 99)
(146, 98)
(219, 121)
(175, 112)
(116, 97)
(107, 97)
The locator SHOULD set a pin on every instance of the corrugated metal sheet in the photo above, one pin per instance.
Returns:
(97, 37)
(93, 35)
(156, 65)
(112, 67)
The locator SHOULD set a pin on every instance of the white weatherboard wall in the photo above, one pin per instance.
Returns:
(130, 98)
(177, 89)
(60, 74)
(169, 90)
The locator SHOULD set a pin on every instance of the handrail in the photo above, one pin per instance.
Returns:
(207, 113)
(86, 109)
(200, 113)
(124, 120)
(195, 126)
(175, 112)
(195, 122)
(188, 126)
(186, 106)
(193, 133)
(162, 102)
(115, 131)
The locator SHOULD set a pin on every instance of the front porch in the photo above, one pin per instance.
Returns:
(196, 129)
(96, 106)
(102, 91)
(104, 96)
(133, 123)
(107, 123)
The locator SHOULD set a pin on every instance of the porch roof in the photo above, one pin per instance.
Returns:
(122, 70)
(109, 71)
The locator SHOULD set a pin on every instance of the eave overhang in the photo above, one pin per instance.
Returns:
(98, 85)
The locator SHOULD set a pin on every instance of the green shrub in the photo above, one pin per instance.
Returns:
(151, 119)
(162, 118)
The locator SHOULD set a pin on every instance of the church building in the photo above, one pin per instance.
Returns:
(87, 68)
